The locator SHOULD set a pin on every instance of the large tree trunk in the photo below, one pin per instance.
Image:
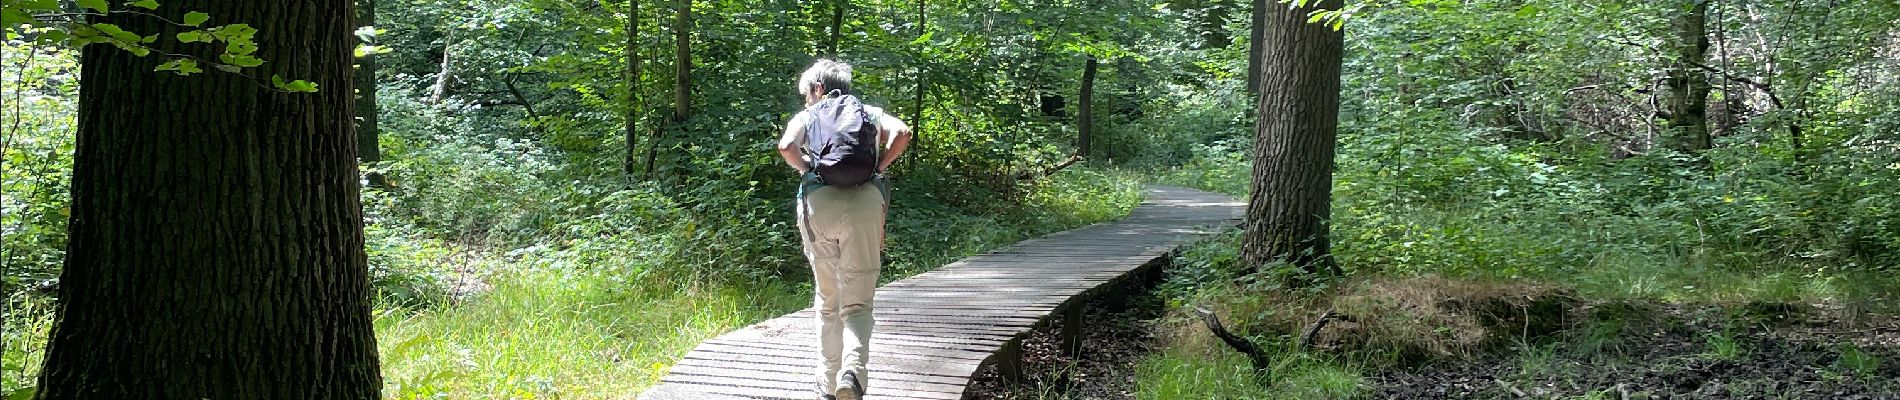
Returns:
(630, 165)
(1084, 111)
(1294, 141)
(1688, 86)
(368, 150)
(1254, 44)
(216, 247)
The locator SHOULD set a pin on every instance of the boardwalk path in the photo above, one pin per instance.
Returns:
(935, 329)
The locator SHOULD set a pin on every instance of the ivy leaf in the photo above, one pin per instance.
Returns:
(97, 5)
(195, 18)
(296, 86)
(146, 4)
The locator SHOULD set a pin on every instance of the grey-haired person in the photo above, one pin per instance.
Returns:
(841, 225)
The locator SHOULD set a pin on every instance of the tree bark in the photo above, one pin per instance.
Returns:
(1294, 141)
(1254, 45)
(917, 115)
(630, 165)
(216, 237)
(683, 61)
(837, 26)
(368, 149)
(1688, 87)
(682, 81)
(1084, 111)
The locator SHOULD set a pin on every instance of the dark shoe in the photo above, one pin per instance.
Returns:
(851, 388)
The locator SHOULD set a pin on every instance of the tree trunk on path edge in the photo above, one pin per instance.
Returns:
(1295, 136)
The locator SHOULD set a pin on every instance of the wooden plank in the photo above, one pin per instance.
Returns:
(793, 380)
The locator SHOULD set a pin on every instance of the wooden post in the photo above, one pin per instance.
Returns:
(1072, 330)
(1009, 361)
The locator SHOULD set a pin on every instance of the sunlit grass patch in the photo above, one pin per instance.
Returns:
(548, 335)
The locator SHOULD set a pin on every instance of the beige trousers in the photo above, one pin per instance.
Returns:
(843, 234)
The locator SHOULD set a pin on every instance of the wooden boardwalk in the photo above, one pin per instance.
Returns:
(936, 329)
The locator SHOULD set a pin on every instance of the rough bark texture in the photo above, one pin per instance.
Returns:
(1688, 87)
(1294, 141)
(1084, 111)
(368, 149)
(1254, 43)
(632, 157)
(216, 247)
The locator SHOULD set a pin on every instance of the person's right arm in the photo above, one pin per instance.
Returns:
(896, 137)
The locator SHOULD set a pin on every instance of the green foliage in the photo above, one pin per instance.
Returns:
(45, 23)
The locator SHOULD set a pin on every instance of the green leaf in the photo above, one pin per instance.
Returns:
(12, 17)
(149, 39)
(21, 394)
(192, 36)
(96, 5)
(367, 33)
(117, 33)
(43, 5)
(182, 66)
(195, 18)
(146, 4)
(52, 37)
(243, 61)
(296, 86)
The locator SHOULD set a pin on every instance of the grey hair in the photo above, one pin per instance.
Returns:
(832, 74)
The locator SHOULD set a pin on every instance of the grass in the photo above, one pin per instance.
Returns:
(551, 335)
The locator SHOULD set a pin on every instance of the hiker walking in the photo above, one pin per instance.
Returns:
(841, 147)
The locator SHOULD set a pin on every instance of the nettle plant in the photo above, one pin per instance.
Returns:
(58, 23)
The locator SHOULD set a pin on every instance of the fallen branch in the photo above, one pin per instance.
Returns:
(1312, 331)
(1259, 358)
(1051, 171)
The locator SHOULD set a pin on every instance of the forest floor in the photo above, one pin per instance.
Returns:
(1613, 350)
(1115, 338)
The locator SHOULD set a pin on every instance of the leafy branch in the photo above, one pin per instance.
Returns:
(56, 26)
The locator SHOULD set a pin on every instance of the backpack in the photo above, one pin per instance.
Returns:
(841, 141)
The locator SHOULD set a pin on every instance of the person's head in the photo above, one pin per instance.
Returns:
(824, 76)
